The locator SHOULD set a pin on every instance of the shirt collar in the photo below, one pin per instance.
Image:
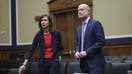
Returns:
(86, 21)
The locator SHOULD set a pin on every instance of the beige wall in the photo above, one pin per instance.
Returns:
(26, 24)
(5, 30)
(115, 15)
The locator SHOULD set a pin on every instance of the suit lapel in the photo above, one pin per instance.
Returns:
(80, 32)
(87, 28)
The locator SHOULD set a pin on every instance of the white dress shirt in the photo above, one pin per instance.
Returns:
(84, 26)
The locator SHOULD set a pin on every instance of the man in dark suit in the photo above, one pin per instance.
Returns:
(90, 40)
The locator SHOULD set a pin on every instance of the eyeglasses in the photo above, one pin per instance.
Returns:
(81, 9)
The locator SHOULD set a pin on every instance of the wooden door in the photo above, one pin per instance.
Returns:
(67, 23)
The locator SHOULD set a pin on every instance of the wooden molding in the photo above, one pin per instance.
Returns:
(55, 5)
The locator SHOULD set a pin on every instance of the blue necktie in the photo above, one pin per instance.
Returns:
(82, 36)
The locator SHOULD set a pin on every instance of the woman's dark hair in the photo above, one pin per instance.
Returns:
(50, 22)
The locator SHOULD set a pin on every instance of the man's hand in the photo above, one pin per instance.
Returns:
(83, 54)
(77, 55)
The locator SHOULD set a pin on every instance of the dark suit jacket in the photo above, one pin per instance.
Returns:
(38, 41)
(94, 40)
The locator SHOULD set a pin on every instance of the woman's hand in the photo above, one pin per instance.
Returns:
(21, 69)
(59, 59)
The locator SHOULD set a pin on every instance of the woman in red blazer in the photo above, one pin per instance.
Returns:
(49, 42)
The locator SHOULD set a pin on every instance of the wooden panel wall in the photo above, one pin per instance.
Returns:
(6, 53)
(108, 50)
(118, 49)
